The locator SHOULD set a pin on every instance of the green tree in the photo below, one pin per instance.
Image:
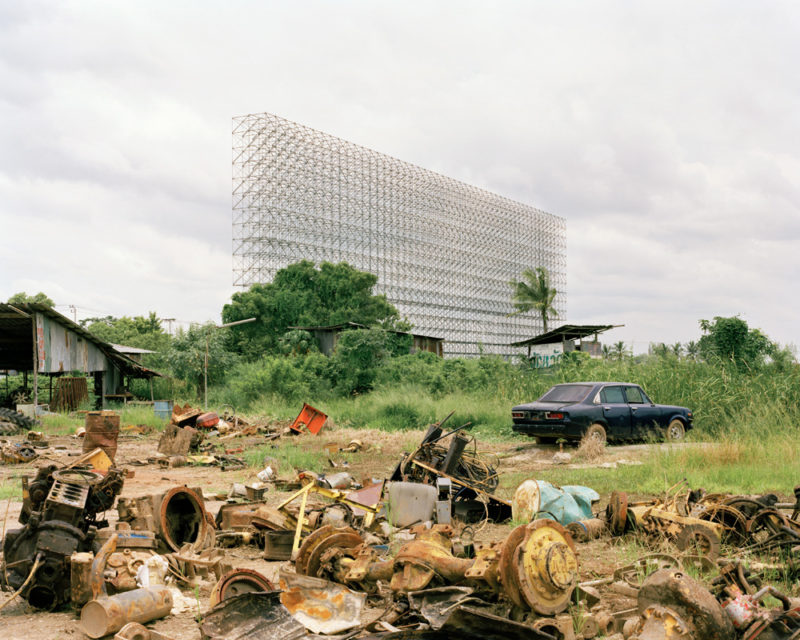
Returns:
(692, 350)
(358, 356)
(534, 292)
(187, 352)
(303, 295)
(730, 339)
(619, 351)
(24, 298)
(144, 332)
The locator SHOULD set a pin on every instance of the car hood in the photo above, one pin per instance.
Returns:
(542, 406)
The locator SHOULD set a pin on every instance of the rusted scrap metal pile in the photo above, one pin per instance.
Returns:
(702, 522)
(397, 558)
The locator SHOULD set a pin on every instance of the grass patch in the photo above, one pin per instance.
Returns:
(140, 414)
(733, 465)
(60, 424)
(10, 488)
(63, 424)
(288, 457)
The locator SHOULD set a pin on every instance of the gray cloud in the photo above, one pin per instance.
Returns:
(664, 133)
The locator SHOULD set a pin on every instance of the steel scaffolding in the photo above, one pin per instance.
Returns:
(444, 251)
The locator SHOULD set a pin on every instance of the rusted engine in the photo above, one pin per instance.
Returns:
(59, 514)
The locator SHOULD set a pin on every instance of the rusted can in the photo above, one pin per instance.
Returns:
(108, 615)
(102, 430)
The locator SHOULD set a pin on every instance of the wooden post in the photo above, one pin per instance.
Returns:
(152, 399)
(35, 367)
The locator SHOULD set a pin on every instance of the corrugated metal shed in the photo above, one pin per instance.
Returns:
(60, 345)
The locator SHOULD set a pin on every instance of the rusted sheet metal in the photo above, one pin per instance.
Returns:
(251, 616)
(60, 349)
(108, 615)
(466, 623)
(321, 606)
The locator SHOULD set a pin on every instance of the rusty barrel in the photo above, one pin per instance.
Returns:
(108, 615)
(102, 430)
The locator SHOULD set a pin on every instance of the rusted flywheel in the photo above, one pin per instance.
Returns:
(539, 567)
(309, 556)
(237, 582)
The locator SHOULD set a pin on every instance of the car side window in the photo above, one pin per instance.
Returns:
(612, 395)
(634, 395)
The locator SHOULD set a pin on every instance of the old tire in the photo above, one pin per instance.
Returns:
(675, 431)
(597, 432)
(13, 422)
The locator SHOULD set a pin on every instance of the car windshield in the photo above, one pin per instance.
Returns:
(566, 393)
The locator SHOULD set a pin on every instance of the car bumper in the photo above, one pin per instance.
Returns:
(547, 430)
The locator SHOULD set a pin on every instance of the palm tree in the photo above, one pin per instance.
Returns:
(534, 292)
(692, 350)
(619, 350)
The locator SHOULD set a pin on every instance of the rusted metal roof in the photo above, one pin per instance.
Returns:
(17, 343)
(565, 333)
(344, 326)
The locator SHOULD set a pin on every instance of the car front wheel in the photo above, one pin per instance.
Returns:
(675, 431)
(596, 432)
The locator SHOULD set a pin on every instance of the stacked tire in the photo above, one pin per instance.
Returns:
(13, 423)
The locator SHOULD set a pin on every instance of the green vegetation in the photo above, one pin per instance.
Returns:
(144, 332)
(67, 424)
(287, 458)
(37, 298)
(302, 295)
(534, 292)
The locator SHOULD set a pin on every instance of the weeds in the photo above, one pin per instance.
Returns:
(287, 457)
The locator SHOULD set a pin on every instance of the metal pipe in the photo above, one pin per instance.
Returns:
(108, 615)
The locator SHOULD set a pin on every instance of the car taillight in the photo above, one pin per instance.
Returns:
(552, 415)
(517, 414)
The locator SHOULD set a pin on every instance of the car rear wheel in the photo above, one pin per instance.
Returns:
(596, 432)
(675, 431)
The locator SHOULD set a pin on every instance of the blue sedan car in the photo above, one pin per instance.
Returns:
(602, 410)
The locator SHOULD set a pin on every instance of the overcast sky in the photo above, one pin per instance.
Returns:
(667, 135)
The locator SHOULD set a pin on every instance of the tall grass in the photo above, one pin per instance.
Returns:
(413, 390)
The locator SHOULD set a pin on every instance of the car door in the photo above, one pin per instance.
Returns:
(645, 416)
(616, 411)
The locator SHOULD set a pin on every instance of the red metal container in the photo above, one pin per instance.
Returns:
(309, 418)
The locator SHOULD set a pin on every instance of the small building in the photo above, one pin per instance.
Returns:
(547, 349)
(327, 337)
(36, 339)
(134, 353)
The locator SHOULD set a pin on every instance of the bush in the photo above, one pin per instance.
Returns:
(293, 379)
(358, 356)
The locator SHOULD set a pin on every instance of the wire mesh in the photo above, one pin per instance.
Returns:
(443, 251)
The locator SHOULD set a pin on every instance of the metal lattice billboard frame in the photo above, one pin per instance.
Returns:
(444, 251)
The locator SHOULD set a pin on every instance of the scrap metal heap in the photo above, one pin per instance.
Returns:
(397, 542)
(535, 568)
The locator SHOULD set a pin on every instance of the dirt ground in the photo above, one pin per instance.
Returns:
(383, 450)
